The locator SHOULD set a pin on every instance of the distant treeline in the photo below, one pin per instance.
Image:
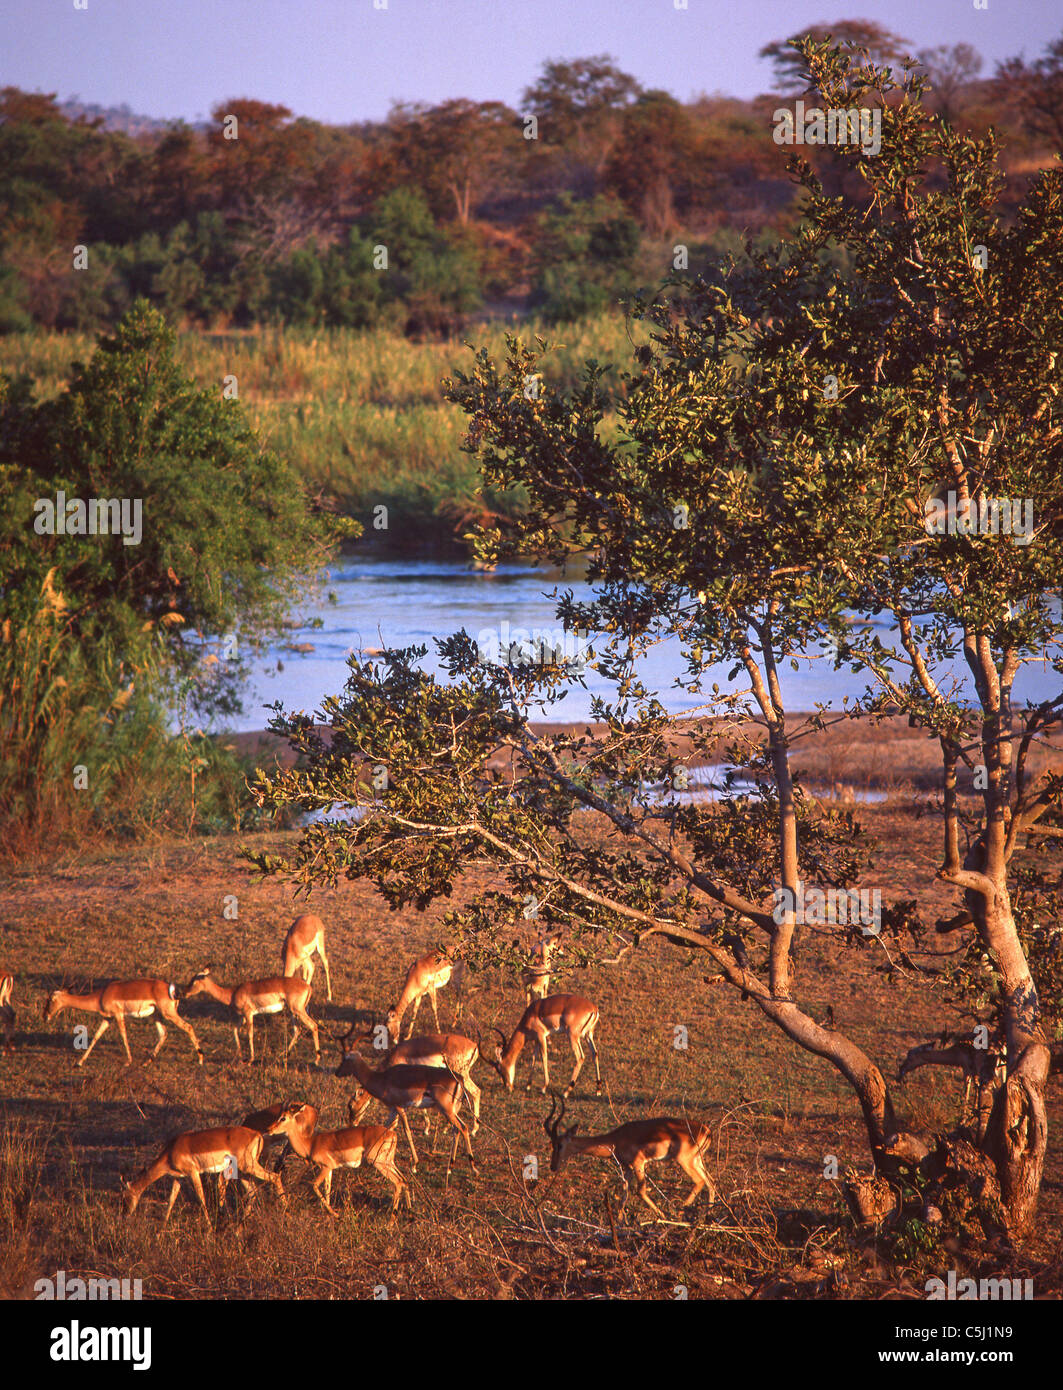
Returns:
(556, 208)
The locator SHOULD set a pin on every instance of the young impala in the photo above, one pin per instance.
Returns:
(123, 999)
(536, 979)
(557, 1013)
(410, 1088)
(424, 976)
(7, 1013)
(329, 1149)
(262, 1119)
(451, 1051)
(228, 1152)
(270, 996)
(633, 1146)
(305, 936)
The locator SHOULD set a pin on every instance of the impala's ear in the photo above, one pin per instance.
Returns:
(570, 1132)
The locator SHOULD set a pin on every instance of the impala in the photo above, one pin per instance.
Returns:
(123, 999)
(227, 1152)
(270, 996)
(424, 976)
(329, 1149)
(305, 936)
(410, 1088)
(450, 1051)
(7, 1013)
(262, 1119)
(536, 979)
(633, 1146)
(569, 1013)
(981, 1066)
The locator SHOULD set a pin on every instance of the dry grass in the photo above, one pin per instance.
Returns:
(778, 1229)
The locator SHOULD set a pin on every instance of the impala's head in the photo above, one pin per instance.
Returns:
(548, 945)
(295, 1115)
(559, 1138)
(496, 1063)
(52, 1005)
(357, 1106)
(197, 984)
(393, 1023)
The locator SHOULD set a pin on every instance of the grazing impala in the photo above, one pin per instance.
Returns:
(7, 1013)
(450, 1051)
(123, 999)
(424, 976)
(536, 979)
(305, 936)
(270, 996)
(410, 1088)
(329, 1149)
(633, 1146)
(228, 1152)
(557, 1013)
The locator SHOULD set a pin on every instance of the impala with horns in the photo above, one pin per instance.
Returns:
(410, 1088)
(424, 977)
(536, 979)
(7, 1013)
(557, 1013)
(329, 1149)
(450, 1051)
(305, 936)
(231, 1153)
(270, 996)
(123, 999)
(633, 1146)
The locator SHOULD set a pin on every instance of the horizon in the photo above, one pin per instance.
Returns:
(166, 63)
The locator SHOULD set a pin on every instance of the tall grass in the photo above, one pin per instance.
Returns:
(360, 414)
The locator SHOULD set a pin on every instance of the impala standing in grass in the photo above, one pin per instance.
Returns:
(123, 999)
(557, 1013)
(230, 1153)
(270, 996)
(633, 1146)
(450, 1051)
(305, 936)
(536, 979)
(7, 1013)
(329, 1149)
(424, 976)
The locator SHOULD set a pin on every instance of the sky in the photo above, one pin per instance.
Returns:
(348, 60)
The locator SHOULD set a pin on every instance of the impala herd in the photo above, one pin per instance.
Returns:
(430, 1072)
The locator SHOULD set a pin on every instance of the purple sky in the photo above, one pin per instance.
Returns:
(344, 60)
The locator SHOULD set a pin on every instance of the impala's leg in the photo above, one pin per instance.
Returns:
(638, 1167)
(450, 1110)
(197, 1183)
(691, 1163)
(175, 1187)
(252, 1166)
(577, 1066)
(311, 1027)
(474, 1100)
(125, 1039)
(251, 1036)
(172, 1016)
(594, 1053)
(409, 1138)
(236, 1035)
(413, 1015)
(324, 962)
(95, 1039)
(160, 1029)
(399, 1190)
(325, 1177)
(306, 969)
(435, 1009)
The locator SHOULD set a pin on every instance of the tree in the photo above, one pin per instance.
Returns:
(651, 166)
(1038, 89)
(952, 67)
(726, 513)
(225, 539)
(578, 105)
(882, 48)
(582, 257)
(455, 152)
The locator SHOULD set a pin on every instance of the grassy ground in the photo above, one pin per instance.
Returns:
(359, 415)
(778, 1229)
